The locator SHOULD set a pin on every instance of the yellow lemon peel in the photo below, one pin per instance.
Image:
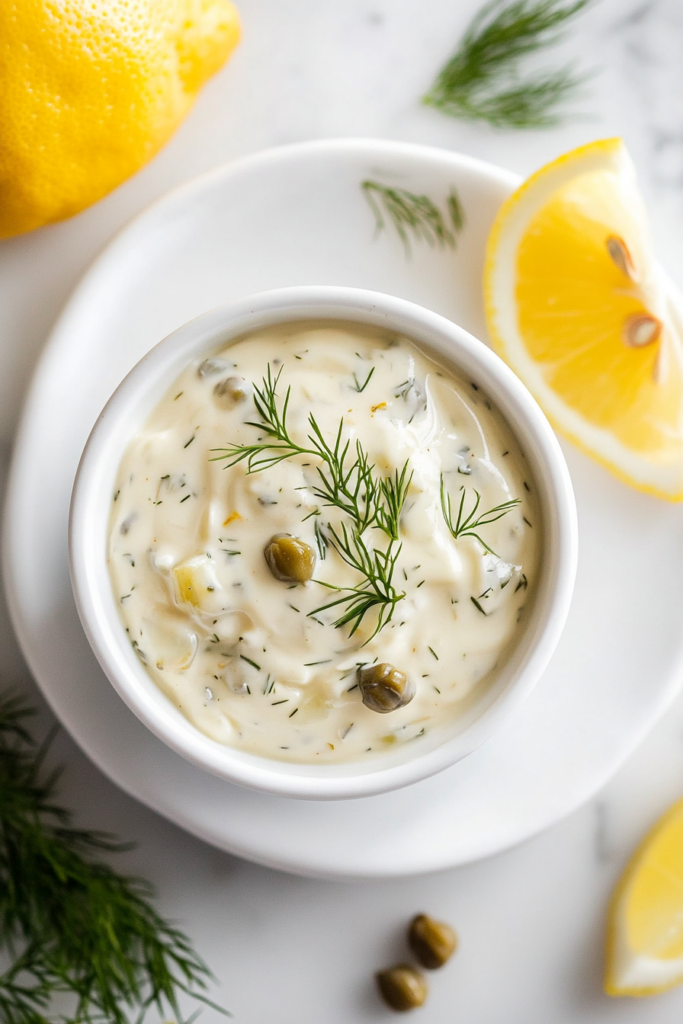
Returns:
(91, 89)
(645, 933)
(578, 307)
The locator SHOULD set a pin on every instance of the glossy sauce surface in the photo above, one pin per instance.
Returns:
(252, 660)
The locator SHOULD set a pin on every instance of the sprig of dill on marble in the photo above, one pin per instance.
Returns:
(468, 524)
(75, 930)
(415, 217)
(483, 80)
(346, 481)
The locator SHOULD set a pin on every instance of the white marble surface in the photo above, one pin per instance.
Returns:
(531, 921)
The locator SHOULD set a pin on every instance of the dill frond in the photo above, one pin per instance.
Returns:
(346, 481)
(394, 491)
(73, 928)
(414, 216)
(348, 486)
(468, 524)
(377, 590)
(482, 81)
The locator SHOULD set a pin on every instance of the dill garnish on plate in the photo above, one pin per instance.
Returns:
(483, 81)
(415, 217)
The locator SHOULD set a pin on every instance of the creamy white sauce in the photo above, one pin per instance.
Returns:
(238, 651)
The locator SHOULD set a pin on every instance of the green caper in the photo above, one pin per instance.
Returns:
(384, 688)
(290, 559)
(402, 988)
(232, 391)
(432, 942)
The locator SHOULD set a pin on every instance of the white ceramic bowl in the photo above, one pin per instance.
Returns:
(128, 409)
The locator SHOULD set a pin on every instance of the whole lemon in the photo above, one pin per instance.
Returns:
(91, 89)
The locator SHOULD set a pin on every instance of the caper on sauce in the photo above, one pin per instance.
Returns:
(289, 559)
(402, 988)
(384, 688)
(232, 391)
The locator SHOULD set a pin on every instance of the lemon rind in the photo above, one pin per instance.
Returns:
(616, 948)
(645, 475)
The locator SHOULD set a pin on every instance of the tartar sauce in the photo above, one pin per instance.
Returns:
(261, 663)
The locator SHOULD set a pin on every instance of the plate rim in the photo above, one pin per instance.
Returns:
(58, 337)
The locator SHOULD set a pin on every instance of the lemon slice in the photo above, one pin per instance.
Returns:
(580, 310)
(645, 940)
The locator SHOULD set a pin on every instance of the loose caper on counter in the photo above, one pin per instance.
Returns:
(290, 559)
(432, 942)
(384, 688)
(232, 391)
(402, 988)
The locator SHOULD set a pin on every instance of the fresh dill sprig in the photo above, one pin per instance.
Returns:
(320, 540)
(414, 215)
(467, 524)
(73, 928)
(350, 487)
(394, 491)
(376, 591)
(346, 483)
(482, 81)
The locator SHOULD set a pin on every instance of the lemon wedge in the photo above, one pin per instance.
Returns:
(645, 937)
(578, 307)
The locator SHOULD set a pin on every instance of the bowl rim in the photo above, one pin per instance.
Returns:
(145, 384)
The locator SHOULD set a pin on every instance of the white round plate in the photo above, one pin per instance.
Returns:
(297, 216)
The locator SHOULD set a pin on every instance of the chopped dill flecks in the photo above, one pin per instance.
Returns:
(188, 443)
(404, 389)
(433, 652)
(295, 609)
(308, 664)
(178, 396)
(361, 387)
(523, 583)
(250, 662)
(186, 498)
(291, 715)
(275, 703)
(477, 605)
